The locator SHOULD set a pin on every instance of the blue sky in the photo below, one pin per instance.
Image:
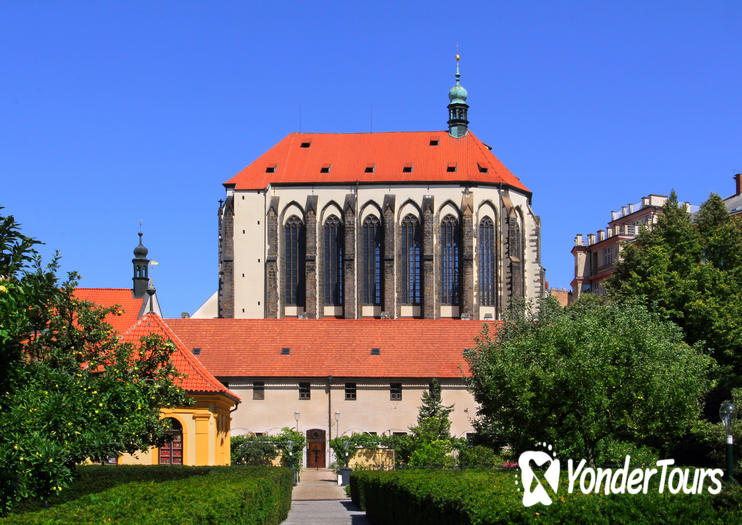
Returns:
(115, 113)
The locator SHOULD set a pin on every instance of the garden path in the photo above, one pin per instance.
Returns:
(318, 500)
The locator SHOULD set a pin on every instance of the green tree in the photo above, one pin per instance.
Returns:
(433, 417)
(691, 274)
(581, 377)
(71, 389)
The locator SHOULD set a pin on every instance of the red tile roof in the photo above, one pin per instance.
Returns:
(347, 155)
(107, 297)
(330, 347)
(197, 378)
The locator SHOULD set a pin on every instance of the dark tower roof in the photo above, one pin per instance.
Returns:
(458, 122)
(140, 252)
(141, 270)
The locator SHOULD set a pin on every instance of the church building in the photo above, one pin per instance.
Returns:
(391, 225)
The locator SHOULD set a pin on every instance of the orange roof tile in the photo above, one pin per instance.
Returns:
(330, 347)
(107, 297)
(345, 157)
(197, 378)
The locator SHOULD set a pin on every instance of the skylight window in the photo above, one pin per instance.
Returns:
(325, 168)
(434, 141)
(196, 351)
(370, 168)
(482, 169)
(407, 168)
(451, 167)
(376, 351)
(306, 144)
(271, 168)
(285, 351)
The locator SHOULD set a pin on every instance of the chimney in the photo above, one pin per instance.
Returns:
(645, 202)
(737, 178)
(610, 232)
(614, 215)
(590, 239)
(578, 239)
(631, 208)
(623, 210)
(601, 235)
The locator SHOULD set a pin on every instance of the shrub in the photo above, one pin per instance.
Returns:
(612, 453)
(481, 497)
(261, 450)
(432, 453)
(167, 494)
(249, 451)
(345, 447)
(478, 456)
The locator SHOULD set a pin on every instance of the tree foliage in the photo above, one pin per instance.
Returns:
(252, 449)
(433, 415)
(691, 274)
(575, 378)
(70, 388)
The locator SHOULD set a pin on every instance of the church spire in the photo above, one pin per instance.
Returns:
(457, 107)
(141, 269)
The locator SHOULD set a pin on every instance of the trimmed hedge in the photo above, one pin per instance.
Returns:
(167, 494)
(480, 497)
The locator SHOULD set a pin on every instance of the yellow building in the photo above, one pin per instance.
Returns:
(200, 433)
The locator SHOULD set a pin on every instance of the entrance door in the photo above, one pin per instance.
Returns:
(315, 448)
(171, 453)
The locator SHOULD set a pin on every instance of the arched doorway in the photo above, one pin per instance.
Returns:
(171, 453)
(315, 448)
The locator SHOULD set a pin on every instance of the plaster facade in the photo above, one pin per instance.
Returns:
(206, 433)
(251, 247)
(372, 410)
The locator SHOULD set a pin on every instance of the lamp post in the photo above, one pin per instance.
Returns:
(290, 446)
(296, 417)
(727, 412)
(337, 423)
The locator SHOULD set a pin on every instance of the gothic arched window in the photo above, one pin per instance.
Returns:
(515, 249)
(450, 260)
(333, 261)
(411, 260)
(371, 272)
(293, 257)
(487, 262)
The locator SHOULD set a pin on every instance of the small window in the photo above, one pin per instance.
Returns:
(325, 168)
(258, 390)
(407, 168)
(482, 169)
(350, 391)
(370, 168)
(451, 167)
(376, 351)
(399, 433)
(433, 141)
(285, 351)
(395, 391)
(196, 351)
(306, 144)
(372, 433)
(258, 434)
(271, 169)
(304, 391)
